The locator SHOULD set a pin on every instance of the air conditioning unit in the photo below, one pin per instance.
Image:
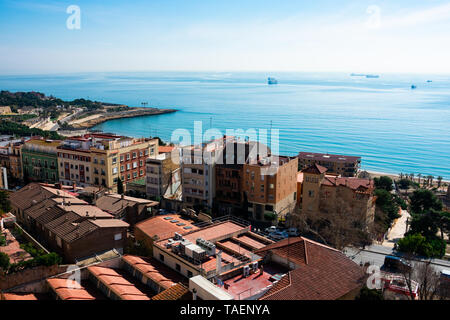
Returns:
(246, 271)
(177, 236)
(254, 266)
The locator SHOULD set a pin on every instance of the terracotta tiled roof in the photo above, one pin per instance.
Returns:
(315, 169)
(117, 283)
(323, 273)
(19, 296)
(175, 292)
(154, 270)
(70, 228)
(68, 289)
(163, 228)
(350, 182)
(164, 149)
(114, 204)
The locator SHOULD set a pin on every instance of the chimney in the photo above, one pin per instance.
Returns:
(122, 196)
(87, 213)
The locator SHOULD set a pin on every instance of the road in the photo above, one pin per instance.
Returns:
(398, 230)
(375, 254)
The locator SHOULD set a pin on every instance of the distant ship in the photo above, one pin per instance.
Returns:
(413, 87)
(429, 81)
(368, 76)
(272, 80)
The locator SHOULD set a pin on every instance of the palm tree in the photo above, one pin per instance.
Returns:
(412, 177)
(419, 175)
(401, 175)
(431, 180)
(439, 179)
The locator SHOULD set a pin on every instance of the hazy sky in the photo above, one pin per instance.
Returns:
(226, 35)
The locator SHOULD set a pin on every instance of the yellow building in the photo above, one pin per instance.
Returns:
(101, 159)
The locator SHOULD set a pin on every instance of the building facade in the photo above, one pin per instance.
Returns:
(101, 159)
(40, 160)
(270, 187)
(346, 166)
(164, 174)
(327, 195)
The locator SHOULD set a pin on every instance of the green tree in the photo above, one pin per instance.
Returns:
(439, 179)
(366, 294)
(4, 261)
(423, 200)
(404, 183)
(5, 204)
(119, 186)
(415, 244)
(383, 182)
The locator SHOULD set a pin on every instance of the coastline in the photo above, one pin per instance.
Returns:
(377, 174)
(134, 112)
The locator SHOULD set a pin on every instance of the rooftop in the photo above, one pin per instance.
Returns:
(322, 272)
(327, 157)
(165, 226)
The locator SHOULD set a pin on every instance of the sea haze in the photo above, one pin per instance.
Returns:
(393, 127)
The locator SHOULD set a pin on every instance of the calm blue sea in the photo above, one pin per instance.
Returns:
(394, 128)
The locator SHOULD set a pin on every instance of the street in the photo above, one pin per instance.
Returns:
(375, 254)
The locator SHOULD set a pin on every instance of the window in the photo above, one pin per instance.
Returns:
(121, 158)
(141, 163)
(177, 267)
(141, 153)
(189, 274)
(118, 236)
(141, 172)
(128, 166)
(134, 174)
(114, 160)
(135, 165)
(122, 168)
(128, 156)
(311, 193)
(134, 155)
(114, 170)
(161, 257)
(271, 186)
(87, 169)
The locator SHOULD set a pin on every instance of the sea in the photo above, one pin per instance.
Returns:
(393, 127)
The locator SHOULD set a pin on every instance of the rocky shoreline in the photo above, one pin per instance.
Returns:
(130, 113)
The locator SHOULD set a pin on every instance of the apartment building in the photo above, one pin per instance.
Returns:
(327, 194)
(346, 166)
(11, 157)
(229, 176)
(164, 174)
(40, 160)
(198, 172)
(101, 159)
(270, 187)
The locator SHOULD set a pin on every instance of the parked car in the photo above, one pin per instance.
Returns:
(396, 264)
(271, 229)
(293, 232)
(162, 211)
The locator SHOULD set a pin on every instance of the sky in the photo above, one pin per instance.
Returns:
(404, 36)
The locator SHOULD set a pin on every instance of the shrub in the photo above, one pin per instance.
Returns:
(4, 261)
